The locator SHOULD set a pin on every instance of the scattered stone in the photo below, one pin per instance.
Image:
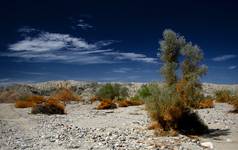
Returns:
(207, 145)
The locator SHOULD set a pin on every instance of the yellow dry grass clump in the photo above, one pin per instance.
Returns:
(65, 95)
(198, 102)
(29, 101)
(106, 104)
(51, 106)
(40, 104)
(126, 103)
(206, 103)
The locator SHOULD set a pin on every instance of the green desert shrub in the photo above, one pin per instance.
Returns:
(190, 87)
(145, 91)
(223, 96)
(112, 91)
(226, 96)
(235, 103)
(170, 105)
(169, 54)
(171, 115)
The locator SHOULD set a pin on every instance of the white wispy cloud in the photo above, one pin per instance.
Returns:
(81, 23)
(4, 80)
(224, 57)
(46, 41)
(84, 26)
(122, 70)
(46, 46)
(232, 67)
(26, 29)
(132, 56)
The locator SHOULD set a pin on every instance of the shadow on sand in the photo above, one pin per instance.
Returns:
(216, 133)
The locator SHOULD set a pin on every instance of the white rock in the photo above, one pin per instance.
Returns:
(228, 140)
(207, 144)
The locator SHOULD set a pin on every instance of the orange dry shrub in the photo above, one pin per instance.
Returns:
(65, 95)
(173, 119)
(23, 104)
(135, 102)
(29, 101)
(123, 103)
(182, 93)
(154, 125)
(180, 120)
(189, 94)
(51, 106)
(167, 122)
(206, 103)
(126, 103)
(106, 104)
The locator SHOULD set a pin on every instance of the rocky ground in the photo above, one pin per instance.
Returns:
(84, 127)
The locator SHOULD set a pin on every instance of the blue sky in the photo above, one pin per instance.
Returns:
(111, 40)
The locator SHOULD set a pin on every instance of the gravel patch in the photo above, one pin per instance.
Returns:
(84, 127)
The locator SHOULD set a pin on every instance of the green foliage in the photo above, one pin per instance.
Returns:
(223, 96)
(169, 52)
(192, 71)
(227, 96)
(170, 105)
(165, 107)
(160, 100)
(112, 91)
(146, 91)
(171, 47)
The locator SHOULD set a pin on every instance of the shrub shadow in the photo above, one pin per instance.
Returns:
(216, 133)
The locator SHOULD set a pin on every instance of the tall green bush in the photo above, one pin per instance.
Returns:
(166, 105)
(192, 71)
(112, 91)
(169, 53)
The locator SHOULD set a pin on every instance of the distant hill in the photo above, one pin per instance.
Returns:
(86, 89)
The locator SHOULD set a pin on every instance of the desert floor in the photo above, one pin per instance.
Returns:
(84, 127)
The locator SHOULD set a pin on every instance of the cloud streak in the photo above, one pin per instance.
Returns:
(83, 25)
(223, 57)
(64, 48)
(232, 67)
(122, 70)
(46, 41)
(131, 56)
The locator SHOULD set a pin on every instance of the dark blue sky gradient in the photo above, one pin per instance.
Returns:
(134, 26)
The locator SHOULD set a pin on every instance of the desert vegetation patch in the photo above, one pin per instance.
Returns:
(227, 96)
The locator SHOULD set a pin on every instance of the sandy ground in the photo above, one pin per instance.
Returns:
(224, 124)
(124, 128)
